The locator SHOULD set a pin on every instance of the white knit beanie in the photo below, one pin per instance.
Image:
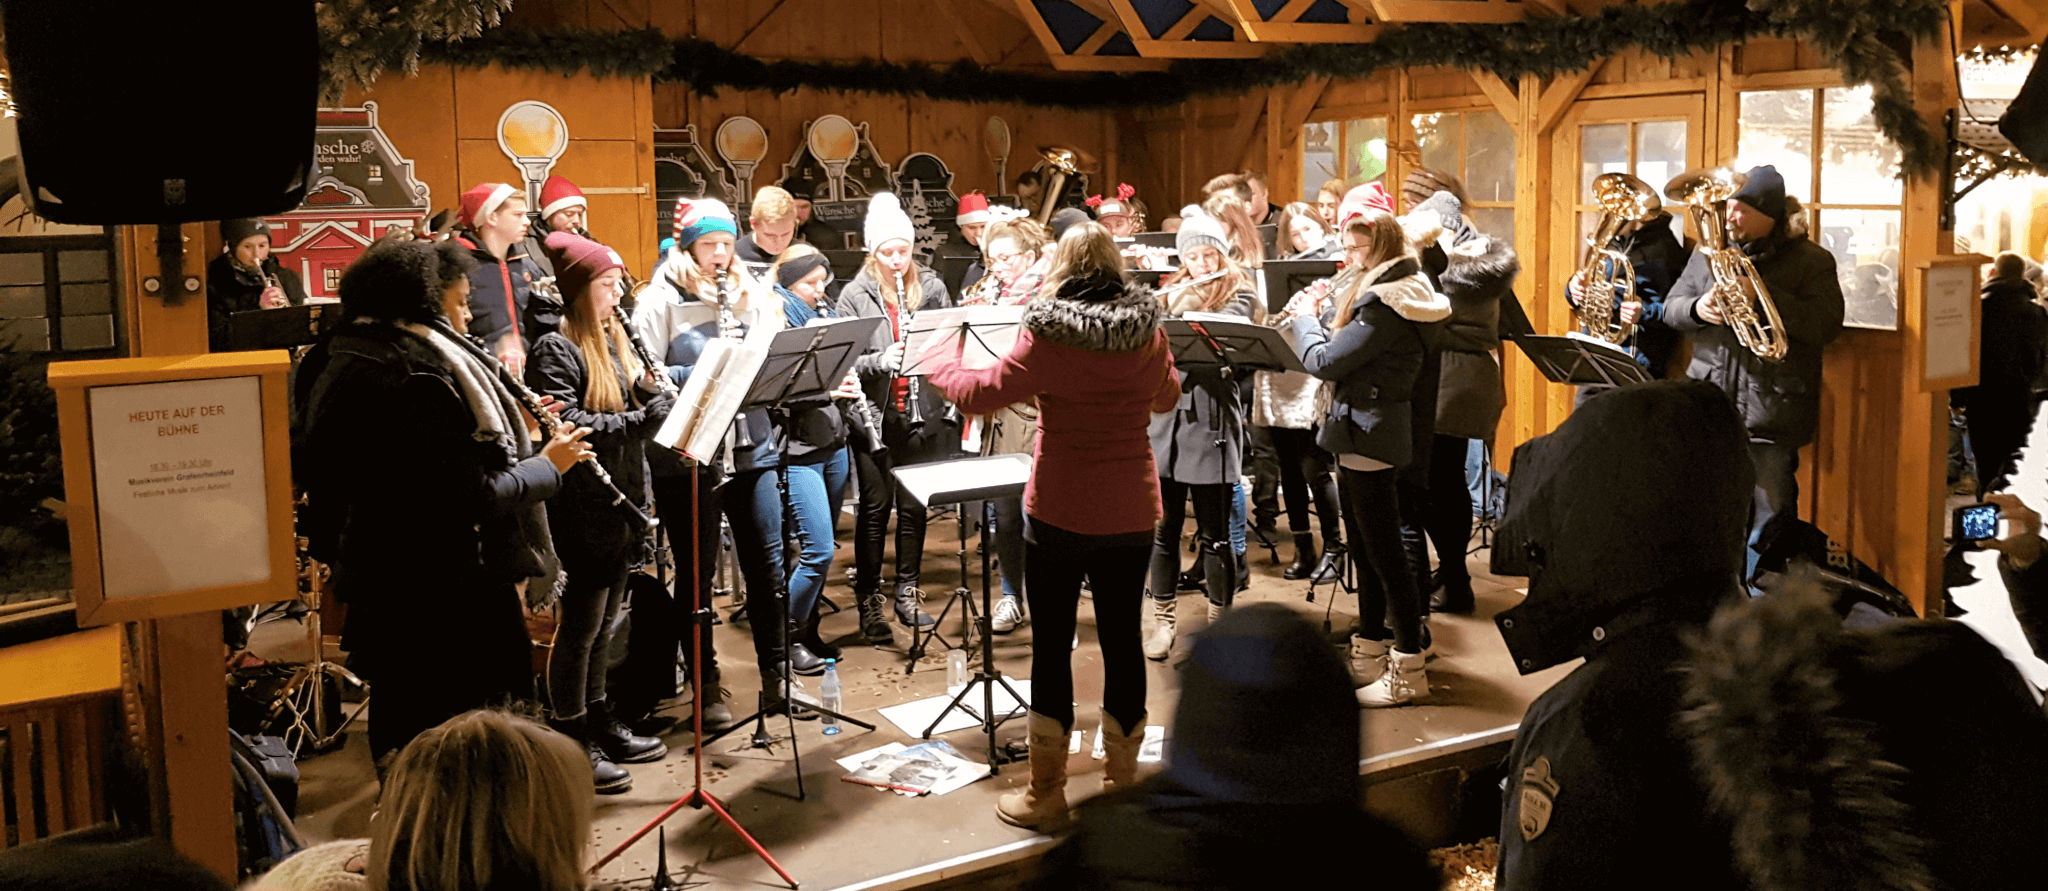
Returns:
(1198, 228)
(886, 222)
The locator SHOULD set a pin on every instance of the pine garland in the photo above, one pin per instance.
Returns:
(1856, 38)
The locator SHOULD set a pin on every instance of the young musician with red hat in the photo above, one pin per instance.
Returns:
(493, 226)
(563, 207)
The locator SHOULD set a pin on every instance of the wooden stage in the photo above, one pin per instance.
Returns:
(855, 837)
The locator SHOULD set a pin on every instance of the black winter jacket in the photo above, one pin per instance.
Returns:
(231, 289)
(2015, 341)
(1203, 440)
(862, 299)
(1778, 401)
(1375, 361)
(589, 529)
(501, 294)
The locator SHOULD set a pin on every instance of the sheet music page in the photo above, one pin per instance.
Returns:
(1209, 317)
(946, 482)
(1598, 344)
(683, 417)
(991, 332)
(740, 364)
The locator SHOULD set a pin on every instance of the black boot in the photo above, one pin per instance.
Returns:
(617, 741)
(610, 778)
(1455, 596)
(1332, 565)
(874, 618)
(1192, 579)
(1304, 564)
(774, 703)
(816, 644)
(1220, 567)
(1244, 571)
(801, 659)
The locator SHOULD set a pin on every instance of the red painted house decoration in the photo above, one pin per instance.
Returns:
(364, 187)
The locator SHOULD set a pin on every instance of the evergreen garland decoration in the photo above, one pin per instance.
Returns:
(1856, 38)
(360, 39)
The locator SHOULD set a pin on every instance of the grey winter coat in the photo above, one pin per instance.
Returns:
(1202, 441)
(862, 299)
(1779, 401)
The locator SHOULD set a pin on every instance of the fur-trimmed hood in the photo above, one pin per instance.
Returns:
(1479, 271)
(1085, 315)
(1400, 285)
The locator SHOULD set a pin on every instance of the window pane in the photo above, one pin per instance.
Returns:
(1437, 134)
(1498, 222)
(86, 299)
(24, 335)
(1603, 148)
(1660, 151)
(88, 332)
(82, 266)
(23, 303)
(1318, 158)
(1489, 157)
(21, 269)
(1365, 150)
(1777, 129)
(1866, 248)
(1860, 165)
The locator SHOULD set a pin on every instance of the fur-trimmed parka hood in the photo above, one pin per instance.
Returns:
(399, 282)
(1478, 272)
(1400, 285)
(1096, 314)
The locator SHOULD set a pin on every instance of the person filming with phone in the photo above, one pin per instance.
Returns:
(2018, 543)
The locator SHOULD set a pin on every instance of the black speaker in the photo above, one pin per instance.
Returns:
(164, 112)
(2025, 123)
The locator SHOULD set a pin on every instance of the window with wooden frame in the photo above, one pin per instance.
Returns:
(1477, 147)
(1354, 151)
(1826, 144)
(57, 294)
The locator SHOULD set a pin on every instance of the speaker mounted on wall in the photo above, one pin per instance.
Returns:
(167, 112)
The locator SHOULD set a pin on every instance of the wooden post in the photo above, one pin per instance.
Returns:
(184, 687)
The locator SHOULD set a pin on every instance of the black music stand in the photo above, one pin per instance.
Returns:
(1581, 361)
(802, 364)
(1286, 277)
(1157, 239)
(281, 328)
(961, 481)
(989, 332)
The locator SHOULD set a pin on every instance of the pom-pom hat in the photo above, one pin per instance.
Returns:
(886, 222)
(1357, 202)
(1198, 229)
(482, 199)
(973, 209)
(558, 194)
(698, 217)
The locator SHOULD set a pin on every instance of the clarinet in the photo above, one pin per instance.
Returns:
(551, 425)
(729, 328)
(911, 390)
(655, 371)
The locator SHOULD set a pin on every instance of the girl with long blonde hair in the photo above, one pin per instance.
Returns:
(590, 368)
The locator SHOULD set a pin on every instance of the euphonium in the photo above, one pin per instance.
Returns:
(1745, 302)
(1065, 163)
(1607, 279)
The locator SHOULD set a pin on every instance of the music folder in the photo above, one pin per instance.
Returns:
(1580, 360)
(281, 328)
(1212, 339)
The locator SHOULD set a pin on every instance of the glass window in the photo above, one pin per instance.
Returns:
(25, 335)
(1489, 159)
(1826, 144)
(1652, 151)
(1660, 151)
(1365, 150)
(82, 266)
(1478, 148)
(23, 302)
(72, 311)
(87, 298)
(21, 269)
(88, 332)
(1318, 158)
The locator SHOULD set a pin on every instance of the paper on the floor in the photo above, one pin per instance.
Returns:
(1149, 752)
(960, 770)
(913, 717)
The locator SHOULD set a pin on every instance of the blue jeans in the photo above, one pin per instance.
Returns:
(1237, 516)
(1777, 491)
(1009, 538)
(755, 506)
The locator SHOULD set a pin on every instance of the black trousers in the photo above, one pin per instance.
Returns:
(1055, 562)
(1212, 525)
(693, 573)
(1305, 480)
(1372, 512)
(1267, 476)
(1449, 515)
(879, 494)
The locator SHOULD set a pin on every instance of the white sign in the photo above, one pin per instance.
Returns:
(1947, 328)
(180, 473)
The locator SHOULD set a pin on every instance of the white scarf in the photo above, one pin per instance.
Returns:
(489, 402)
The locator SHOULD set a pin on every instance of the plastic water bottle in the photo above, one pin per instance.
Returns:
(830, 689)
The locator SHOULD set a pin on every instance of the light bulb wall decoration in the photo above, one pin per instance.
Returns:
(742, 142)
(533, 134)
(998, 145)
(834, 142)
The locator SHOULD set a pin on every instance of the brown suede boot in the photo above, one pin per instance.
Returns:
(1120, 752)
(1042, 805)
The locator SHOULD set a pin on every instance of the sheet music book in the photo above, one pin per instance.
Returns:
(965, 479)
(990, 331)
(712, 397)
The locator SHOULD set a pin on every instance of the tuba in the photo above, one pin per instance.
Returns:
(1745, 302)
(1607, 278)
(1063, 163)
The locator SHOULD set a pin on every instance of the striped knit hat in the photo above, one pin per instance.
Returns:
(698, 217)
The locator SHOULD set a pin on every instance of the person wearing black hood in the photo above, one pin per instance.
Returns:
(1779, 401)
(245, 277)
(1261, 779)
(1999, 410)
(1758, 744)
(424, 493)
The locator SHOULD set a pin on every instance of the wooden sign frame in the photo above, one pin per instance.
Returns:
(73, 383)
(1942, 299)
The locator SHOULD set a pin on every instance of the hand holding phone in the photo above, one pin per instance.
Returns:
(2021, 543)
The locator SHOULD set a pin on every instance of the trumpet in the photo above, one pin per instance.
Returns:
(1745, 301)
(1606, 276)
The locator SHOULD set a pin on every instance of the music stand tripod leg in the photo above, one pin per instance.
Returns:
(987, 675)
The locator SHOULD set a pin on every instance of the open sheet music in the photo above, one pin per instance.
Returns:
(712, 397)
(990, 332)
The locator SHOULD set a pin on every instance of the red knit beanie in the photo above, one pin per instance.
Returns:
(578, 261)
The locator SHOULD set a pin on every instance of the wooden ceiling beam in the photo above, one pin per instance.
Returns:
(1009, 9)
(1503, 96)
(1118, 64)
(1095, 41)
(1315, 32)
(1474, 12)
(1046, 40)
(1557, 98)
(2028, 14)
(1200, 49)
(965, 32)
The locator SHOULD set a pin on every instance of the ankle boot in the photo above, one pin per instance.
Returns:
(1455, 596)
(816, 644)
(1244, 572)
(1368, 660)
(617, 741)
(610, 778)
(874, 618)
(774, 702)
(1120, 749)
(1160, 642)
(1304, 564)
(908, 608)
(717, 712)
(1042, 804)
(1221, 568)
(1403, 682)
(1332, 565)
(801, 659)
